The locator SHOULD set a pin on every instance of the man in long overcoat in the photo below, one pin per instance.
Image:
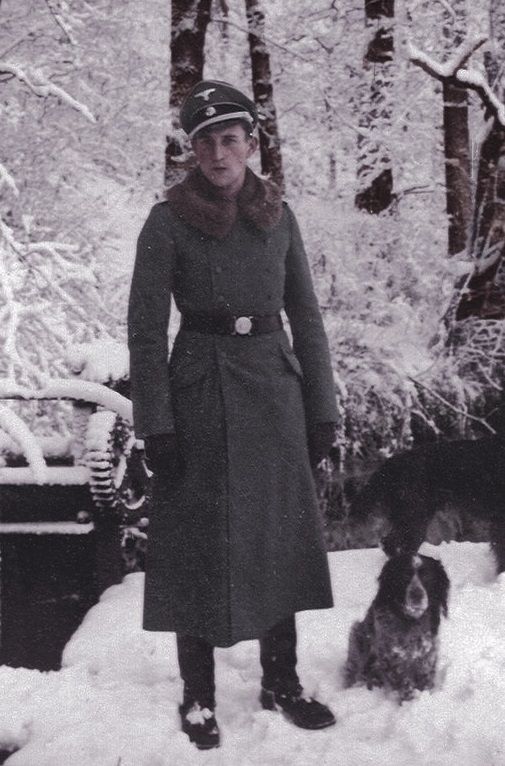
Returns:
(234, 422)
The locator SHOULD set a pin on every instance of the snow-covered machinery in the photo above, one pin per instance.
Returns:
(64, 507)
(116, 473)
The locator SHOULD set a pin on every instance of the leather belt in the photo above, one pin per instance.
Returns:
(227, 324)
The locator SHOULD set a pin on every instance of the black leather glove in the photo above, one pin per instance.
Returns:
(162, 455)
(320, 439)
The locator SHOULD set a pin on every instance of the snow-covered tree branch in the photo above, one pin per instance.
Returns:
(469, 77)
(450, 67)
(42, 87)
(49, 297)
(56, 12)
(49, 288)
(7, 179)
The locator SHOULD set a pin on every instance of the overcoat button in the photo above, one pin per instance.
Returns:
(218, 269)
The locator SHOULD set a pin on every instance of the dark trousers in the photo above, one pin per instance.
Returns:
(277, 656)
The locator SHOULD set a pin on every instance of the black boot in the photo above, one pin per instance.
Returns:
(305, 712)
(196, 664)
(199, 723)
(281, 686)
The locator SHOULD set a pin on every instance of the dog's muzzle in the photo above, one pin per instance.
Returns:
(416, 599)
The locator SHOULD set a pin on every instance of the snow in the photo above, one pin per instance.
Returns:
(98, 434)
(8, 180)
(453, 68)
(45, 528)
(454, 62)
(55, 445)
(80, 390)
(89, 392)
(475, 78)
(57, 474)
(19, 431)
(99, 361)
(115, 701)
(198, 714)
(43, 87)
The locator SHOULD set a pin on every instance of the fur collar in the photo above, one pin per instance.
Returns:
(199, 203)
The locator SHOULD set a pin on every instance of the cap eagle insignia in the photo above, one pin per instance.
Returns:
(205, 94)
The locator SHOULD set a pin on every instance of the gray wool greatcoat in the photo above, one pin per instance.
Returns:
(235, 542)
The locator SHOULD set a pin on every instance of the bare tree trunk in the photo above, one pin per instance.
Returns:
(187, 43)
(456, 140)
(488, 226)
(221, 17)
(482, 295)
(330, 124)
(375, 172)
(331, 66)
(494, 59)
(484, 292)
(271, 159)
(478, 336)
(457, 166)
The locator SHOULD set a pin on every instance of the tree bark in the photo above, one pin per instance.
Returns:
(187, 47)
(494, 59)
(271, 158)
(457, 166)
(456, 139)
(375, 173)
(483, 295)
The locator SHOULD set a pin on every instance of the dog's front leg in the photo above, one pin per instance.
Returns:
(406, 693)
(397, 677)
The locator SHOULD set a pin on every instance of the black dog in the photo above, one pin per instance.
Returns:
(407, 491)
(396, 645)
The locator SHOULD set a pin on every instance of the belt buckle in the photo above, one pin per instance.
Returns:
(242, 325)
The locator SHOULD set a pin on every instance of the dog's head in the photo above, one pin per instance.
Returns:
(411, 585)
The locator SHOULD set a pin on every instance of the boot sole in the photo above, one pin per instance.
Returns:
(205, 747)
(268, 703)
(202, 745)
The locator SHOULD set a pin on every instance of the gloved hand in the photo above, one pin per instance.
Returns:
(162, 455)
(320, 439)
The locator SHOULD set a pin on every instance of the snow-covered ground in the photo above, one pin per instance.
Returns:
(115, 701)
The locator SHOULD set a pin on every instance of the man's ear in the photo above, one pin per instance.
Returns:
(253, 145)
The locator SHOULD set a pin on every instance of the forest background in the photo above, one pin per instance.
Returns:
(380, 149)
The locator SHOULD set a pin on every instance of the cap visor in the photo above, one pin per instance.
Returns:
(222, 118)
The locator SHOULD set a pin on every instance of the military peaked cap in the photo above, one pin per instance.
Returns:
(213, 101)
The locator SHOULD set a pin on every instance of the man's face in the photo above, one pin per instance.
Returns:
(222, 153)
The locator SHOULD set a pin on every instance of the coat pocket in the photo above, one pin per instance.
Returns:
(292, 361)
(186, 373)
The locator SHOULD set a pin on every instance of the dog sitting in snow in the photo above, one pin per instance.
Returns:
(396, 645)
(406, 492)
